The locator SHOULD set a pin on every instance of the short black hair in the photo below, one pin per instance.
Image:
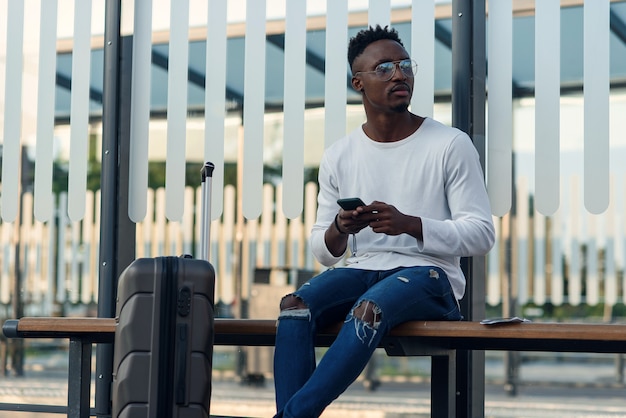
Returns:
(367, 36)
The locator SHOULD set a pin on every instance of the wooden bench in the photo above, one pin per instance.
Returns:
(438, 339)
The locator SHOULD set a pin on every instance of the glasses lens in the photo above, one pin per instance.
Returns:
(385, 70)
(408, 67)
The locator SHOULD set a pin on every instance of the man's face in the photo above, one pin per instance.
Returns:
(390, 95)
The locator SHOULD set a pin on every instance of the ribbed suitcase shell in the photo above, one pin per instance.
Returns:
(162, 360)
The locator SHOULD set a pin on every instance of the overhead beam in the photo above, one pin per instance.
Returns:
(360, 18)
(618, 27)
(65, 82)
(313, 60)
(194, 77)
(443, 35)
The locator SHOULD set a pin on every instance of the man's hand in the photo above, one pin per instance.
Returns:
(351, 221)
(346, 222)
(386, 219)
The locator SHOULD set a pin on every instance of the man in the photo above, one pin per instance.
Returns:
(427, 208)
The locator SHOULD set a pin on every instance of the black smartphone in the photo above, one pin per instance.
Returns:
(350, 203)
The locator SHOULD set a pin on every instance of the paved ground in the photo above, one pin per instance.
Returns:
(550, 387)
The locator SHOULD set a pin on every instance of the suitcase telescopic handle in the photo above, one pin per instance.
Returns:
(207, 179)
(207, 170)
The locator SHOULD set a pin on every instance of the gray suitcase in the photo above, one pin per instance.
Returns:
(162, 360)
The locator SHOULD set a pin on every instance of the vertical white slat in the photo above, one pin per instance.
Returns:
(494, 293)
(12, 114)
(52, 262)
(148, 224)
(523, 223)
(623, 238)
(178, 65)
(573, 242)
(197, 245)
(74, 261)
(246, 273)
(79, 112)
(30, 79)
(610, 279)
(557, 285)
(252, 232)
(294, 100)
(86, 278)
(187, 222)
(172, 235)
(3, 45)
(254, 108)
(279, 239)
(251, 237)
(37, 261)
(507, 261)
(6, 273)
(539, 283)
(379, 13)
(423, 52)
(45, 111)
(593, 280)
(310, 211)
(296, 240)
(226, 284)
(140, 110)
(267, 225)
(620, 219)
(139, 241)
(215, 99)
(500, 107)
(142, 246)
(335, 93)
(25, 243)
(216, 231)
(596, 83)
(177, 238)
(160, 222)
(47, 262)
(61, 249)
(547, 105)
(610, 273)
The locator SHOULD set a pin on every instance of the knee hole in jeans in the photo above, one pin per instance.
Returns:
(368, 312)
(292, 302)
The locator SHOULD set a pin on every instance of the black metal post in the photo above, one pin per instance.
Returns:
(108, 207)
(468, 114)
(79, 386)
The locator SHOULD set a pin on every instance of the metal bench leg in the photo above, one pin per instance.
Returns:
(79, 379)
(443, 385)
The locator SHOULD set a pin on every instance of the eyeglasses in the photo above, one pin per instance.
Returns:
(386, 70)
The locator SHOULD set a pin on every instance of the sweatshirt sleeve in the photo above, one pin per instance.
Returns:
(470, 230)
(327, 208)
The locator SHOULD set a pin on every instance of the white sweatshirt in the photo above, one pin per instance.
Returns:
(434, 173)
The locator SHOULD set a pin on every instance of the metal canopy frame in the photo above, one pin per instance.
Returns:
(468, 100)
(522, 85)
(466, 40)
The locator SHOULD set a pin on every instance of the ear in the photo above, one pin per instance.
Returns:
(357, 84)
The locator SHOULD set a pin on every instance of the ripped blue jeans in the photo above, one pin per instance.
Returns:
(303, 388)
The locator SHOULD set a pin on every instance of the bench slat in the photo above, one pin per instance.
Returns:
(438, 339)
(526, 330)
(450, 334)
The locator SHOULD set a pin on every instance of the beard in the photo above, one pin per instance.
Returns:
(401, 108)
